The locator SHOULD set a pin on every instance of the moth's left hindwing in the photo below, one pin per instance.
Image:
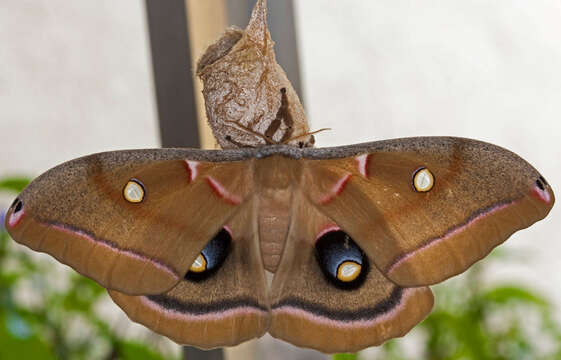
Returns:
(134, 221)
(221, 302)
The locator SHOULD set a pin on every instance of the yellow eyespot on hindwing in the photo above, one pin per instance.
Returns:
(348, 271)
(133, 191)
(199, 265)
(340, 259)
(423, 180)
(212, 257)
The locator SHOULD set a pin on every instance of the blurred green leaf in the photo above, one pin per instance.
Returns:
(13, 345)
(510, 293)
(345, 357)
(134, 351)
(15, 184)
(84, 295)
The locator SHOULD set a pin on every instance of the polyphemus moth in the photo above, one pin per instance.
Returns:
(354, 235)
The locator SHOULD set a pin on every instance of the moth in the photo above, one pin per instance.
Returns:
(183, 239)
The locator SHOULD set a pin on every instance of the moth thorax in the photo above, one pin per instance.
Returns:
(285, 172)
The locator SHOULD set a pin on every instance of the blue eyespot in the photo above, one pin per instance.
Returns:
(341, 260)
(211, 257)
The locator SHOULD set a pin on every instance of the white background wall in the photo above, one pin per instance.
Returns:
(75, 78)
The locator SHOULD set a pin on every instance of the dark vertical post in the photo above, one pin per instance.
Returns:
(282, 25)
(192, 353)
(171, 62)
(177, 112)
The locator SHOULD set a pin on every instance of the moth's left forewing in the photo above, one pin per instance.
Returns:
(131, 220)
(426, 209)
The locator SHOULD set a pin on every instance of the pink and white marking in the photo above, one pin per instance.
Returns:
(448, 235)
(337, 188)
(543, 195)
(227, 228)
(193, 169)
(15, 218)
(327, 229)
(221, 191)
(122, 252)
(362, 163)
